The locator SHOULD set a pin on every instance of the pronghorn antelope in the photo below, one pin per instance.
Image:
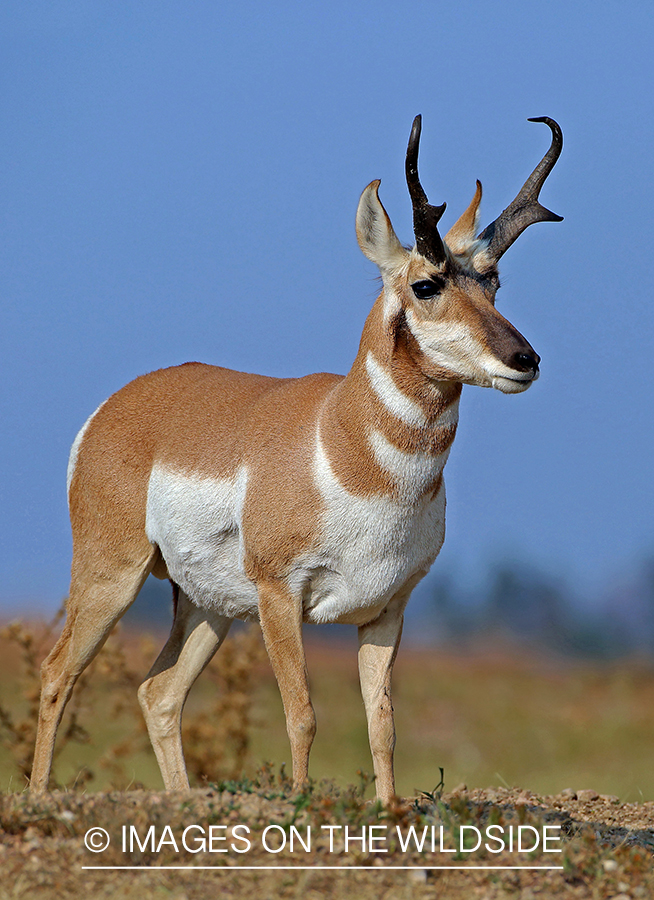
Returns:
(315, 499)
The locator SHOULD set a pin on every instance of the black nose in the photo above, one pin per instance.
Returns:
(526, 362)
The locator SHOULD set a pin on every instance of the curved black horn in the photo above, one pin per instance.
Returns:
(525, 210)
(425, 216)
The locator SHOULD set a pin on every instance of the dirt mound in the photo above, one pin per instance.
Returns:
(325, 842)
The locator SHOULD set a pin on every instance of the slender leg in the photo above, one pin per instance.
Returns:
(378, 645)
(195, 636)
(94, 606)
(281, 624)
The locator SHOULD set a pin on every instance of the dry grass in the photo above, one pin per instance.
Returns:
(18, 721)
(43, 849)
(485, 718)
(103, 741)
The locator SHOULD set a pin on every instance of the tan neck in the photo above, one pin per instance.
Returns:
(387, 413)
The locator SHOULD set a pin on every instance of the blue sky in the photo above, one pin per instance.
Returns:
(179, 181)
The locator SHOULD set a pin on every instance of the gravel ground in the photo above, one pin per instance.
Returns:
(607, 846)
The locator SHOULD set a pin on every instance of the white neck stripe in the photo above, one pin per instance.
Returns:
(397, 403)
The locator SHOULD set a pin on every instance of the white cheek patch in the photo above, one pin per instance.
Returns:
(397, 403)
(451, 346)
(74, 450)
(412, 472)
(196, 523)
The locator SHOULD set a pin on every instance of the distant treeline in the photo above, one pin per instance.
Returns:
(521, 603)
(515, 601)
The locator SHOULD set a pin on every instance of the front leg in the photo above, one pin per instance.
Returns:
(378, 645)
(281, 624)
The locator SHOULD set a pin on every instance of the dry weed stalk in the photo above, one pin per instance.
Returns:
(216, 740)
(18, 731)
(120, 669)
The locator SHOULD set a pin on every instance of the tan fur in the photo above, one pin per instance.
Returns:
(298, 445)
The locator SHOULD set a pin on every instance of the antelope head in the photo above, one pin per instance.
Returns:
(439, 297)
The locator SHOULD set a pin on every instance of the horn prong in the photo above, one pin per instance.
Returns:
(525, 210)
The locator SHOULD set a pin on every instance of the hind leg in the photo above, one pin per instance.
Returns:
(195, 636)
(95, 604)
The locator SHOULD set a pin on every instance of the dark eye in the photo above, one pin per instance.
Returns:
(425, 290)
(492, 279)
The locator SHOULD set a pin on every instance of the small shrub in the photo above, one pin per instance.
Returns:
(217, 739)
(18, 731)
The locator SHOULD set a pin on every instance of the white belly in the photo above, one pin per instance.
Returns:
(195, 522)
(368, 547)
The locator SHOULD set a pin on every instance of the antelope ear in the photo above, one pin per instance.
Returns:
(464, 231)
(375, 233)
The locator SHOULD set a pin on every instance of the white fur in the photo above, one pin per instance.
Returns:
(392, 304)
(472, 255)
(451, 346)
(450, 415)
(196, 523)
(504, 378)
(478, 256)
(370, 548)
(412, 472)
(74, 450)
(512, 384)
(398, 404)
(375, 233)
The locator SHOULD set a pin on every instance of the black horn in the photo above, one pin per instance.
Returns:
(525, 210)
(425, 216)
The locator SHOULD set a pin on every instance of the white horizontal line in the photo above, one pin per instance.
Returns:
(227, 868)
